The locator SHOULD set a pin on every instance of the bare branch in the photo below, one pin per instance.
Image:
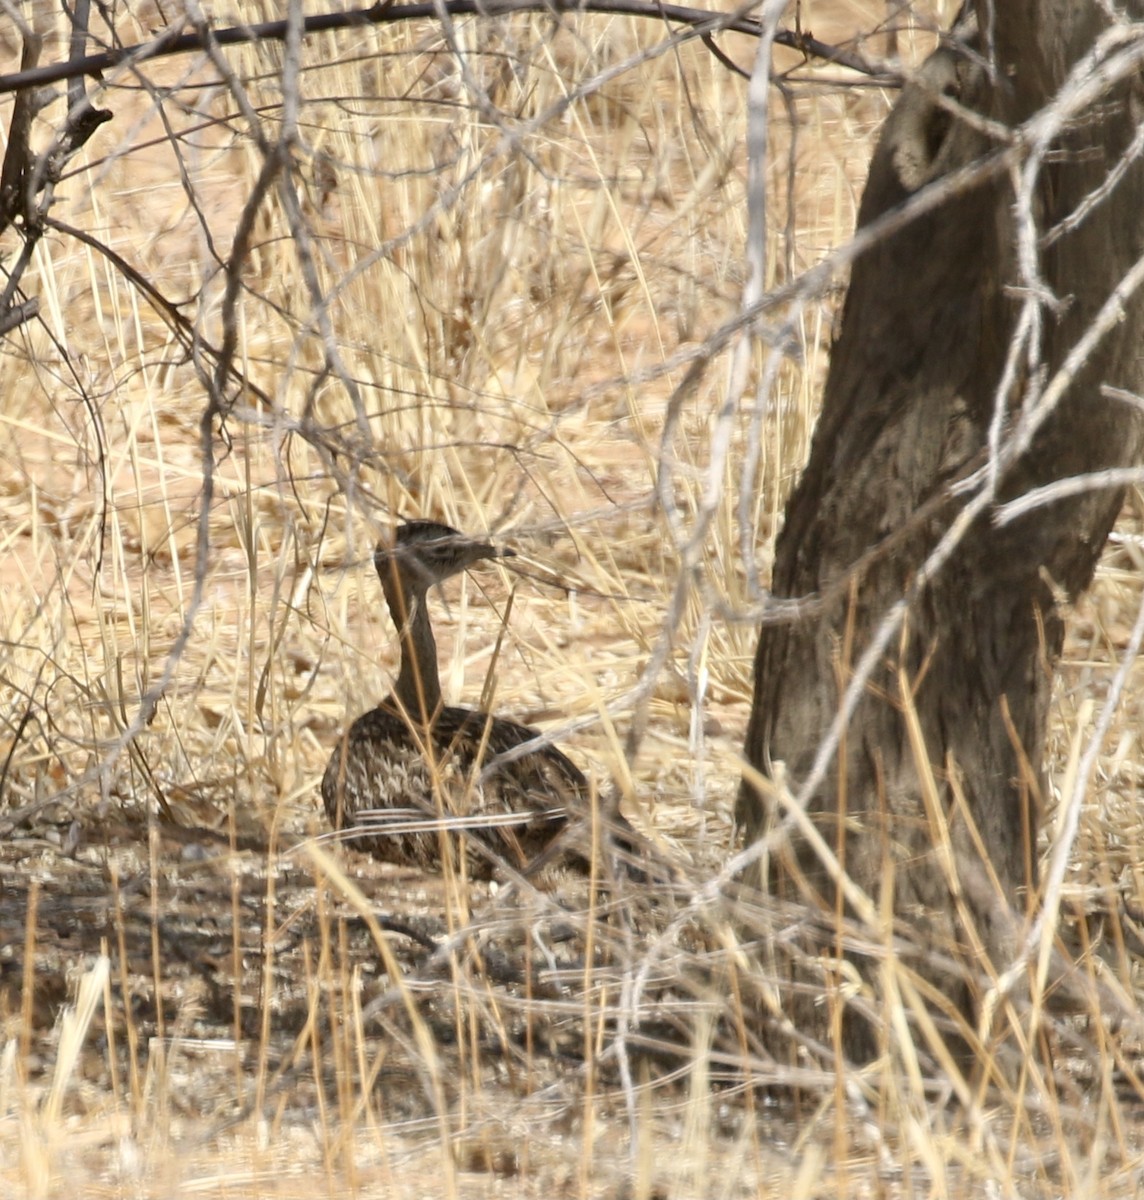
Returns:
(386, 13)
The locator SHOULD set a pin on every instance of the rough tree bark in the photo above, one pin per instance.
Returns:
(912, 388)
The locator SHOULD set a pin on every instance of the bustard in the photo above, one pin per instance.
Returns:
(414, 776)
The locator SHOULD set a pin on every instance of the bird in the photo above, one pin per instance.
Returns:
(414, 780)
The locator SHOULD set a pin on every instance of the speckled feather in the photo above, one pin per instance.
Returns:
(380, 782)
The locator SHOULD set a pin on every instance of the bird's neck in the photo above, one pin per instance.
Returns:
(418, 684)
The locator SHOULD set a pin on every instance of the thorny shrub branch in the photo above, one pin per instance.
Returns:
(27, 179)
(171, 42)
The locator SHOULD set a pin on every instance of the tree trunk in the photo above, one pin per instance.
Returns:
(911, 392)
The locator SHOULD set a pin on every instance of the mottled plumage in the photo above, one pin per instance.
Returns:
(411, 768)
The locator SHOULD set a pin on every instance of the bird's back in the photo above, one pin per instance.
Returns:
(401, 786)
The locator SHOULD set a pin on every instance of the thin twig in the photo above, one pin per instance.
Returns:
(387, 14)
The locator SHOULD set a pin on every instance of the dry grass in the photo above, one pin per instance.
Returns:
(218, 1011)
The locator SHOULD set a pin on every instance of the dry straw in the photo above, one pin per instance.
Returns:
(475, 295)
